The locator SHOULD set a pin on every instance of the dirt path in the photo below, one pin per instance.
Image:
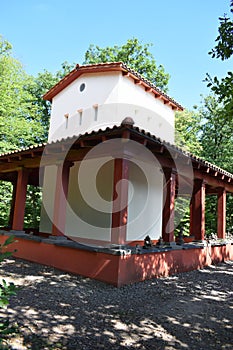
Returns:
(56, 310)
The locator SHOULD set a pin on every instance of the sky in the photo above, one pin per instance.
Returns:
(45, 33)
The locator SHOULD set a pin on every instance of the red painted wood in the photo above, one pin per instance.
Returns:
(60, 200)
(190, 217)
(197, 210)
(221, 215)
(169, 205)
(10, 222)
(120, 201)
(19, 200)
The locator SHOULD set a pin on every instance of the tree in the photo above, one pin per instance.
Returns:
(207, 133)
(217, 139)
(5, 46)
(43, 82)
(187, 129)
(19, 125)
(134, 54)
(20, 116)
(216, 134)
(223, 49)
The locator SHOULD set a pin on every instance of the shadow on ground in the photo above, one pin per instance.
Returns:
(55, 310)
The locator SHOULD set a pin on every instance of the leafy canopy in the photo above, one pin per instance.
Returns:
(224, 41)
(134, 54)
(19, 118)
(223, 49)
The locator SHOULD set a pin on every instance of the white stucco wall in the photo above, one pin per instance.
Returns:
(106, 100)
(89, 202)
(89, 205)
(48, 194)
(97, 90)
(145, 202)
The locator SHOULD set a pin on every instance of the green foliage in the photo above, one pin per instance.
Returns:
(216, 134)
(24, 120)
(5, 47)
(187, 128)
(217, 113)
(6, 291)
(3, 253)
(224, 46)
(33, 206)
(133, 53)
(223, 88)
(5, 203)
(19, 125)
(229, 218)
(207, 132)
(182, 215)
(42, 83)
(211, 215)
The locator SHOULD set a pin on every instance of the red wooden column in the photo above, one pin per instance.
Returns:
(197, 210)
(120, 201)
(60, 199)
(19, 200)
(221, 225)
(10, 221)
(169, 205)
(191, 217)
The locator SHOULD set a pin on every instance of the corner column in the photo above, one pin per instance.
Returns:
(169, 191)
(197, 210)
(10, 221)
(19, 200)
(221, 215)
(120, 201)
(60, 199)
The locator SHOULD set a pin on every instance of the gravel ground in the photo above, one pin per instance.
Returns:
(57, 310)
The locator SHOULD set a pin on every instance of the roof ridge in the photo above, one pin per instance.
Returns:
(70, 77)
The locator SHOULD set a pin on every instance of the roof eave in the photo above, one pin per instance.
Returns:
(110, 67)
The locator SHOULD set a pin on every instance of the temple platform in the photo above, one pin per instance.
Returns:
(117, 265)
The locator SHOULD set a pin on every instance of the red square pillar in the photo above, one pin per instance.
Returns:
(221, 215)
(120, 201)
(19, 200)
(10, 221)
(169, 205)
(197, 210)
(191, 217)
(60, 200)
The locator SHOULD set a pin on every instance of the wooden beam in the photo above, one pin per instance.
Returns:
(213, 180)
(197, 209)
(169, 205)
(148, 89)
(120, 201)
(13, 197)
(221, 213)
(125, 74)
(20, 200)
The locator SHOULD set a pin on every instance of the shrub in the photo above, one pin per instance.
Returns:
(6, 291)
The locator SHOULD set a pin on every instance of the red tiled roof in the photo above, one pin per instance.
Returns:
(10, 156)
(110, 67)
